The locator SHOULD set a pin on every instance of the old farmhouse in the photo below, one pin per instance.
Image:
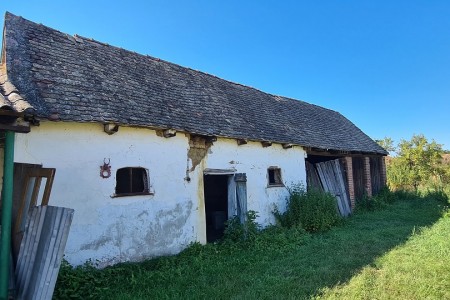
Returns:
(151, 155)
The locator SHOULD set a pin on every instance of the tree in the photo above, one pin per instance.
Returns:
(418, 162)
(387, 143)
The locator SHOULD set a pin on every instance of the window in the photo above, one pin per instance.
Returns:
(274, 176)
(132, 181)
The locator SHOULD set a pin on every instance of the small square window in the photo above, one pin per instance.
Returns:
(274, 176)
(132, 181)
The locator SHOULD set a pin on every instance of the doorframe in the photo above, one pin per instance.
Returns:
(231, 193)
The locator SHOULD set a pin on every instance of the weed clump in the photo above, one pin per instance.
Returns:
(235, 231)
(387, 197)
(314, 211)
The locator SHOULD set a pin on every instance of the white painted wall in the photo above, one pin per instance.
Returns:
(254, 160)
(109, 230)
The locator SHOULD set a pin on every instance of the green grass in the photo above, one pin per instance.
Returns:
(400, 252)
(418, 269)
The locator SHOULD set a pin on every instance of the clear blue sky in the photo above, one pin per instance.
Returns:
(383, 64)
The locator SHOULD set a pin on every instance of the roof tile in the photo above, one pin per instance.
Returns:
(84, 80)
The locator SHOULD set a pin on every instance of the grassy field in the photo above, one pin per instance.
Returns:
(400, 252)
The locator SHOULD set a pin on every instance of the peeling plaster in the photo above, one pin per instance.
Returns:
(199, 147)
(111, 230)
(154, 233)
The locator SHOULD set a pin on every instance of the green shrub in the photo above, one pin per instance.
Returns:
(313, 210)
(235, 231)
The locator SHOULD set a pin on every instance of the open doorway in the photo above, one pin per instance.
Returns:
(216, 205)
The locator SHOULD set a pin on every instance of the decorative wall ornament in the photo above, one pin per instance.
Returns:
(105, 170)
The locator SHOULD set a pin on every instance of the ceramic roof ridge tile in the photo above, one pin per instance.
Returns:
(10, 99)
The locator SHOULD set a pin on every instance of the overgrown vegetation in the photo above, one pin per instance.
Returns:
(246, 232)
(418, 164)
(311, 210)
(396, 245)
(402, 251)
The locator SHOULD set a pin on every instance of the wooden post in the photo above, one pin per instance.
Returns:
(7, 202)
(351, 183)
(367, 177)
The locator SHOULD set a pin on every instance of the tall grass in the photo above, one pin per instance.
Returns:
(399, 252)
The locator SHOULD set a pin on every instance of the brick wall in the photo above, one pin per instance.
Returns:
(367, 177)
(351, 184)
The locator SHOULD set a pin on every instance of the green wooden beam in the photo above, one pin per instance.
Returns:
(7, 199)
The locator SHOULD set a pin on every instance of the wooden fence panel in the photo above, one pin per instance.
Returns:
(41, 251)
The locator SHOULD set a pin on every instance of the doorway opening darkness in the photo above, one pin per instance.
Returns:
(216, 205)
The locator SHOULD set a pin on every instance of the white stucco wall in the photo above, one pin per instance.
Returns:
(254, 160)
(110, 230)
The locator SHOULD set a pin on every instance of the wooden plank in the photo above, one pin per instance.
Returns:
(340, 177)
(51, 257)
(337, 191)
(25, 250)
(313, 180)
(25, 246)
(42, 251)
(322, 177)
(36, 235)
(62, 240)
(46, 248)
(341, 186)
(34, 267)
(331, 176)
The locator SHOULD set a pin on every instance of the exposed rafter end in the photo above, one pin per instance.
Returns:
(287, 146)
(266, 144)
(111, 128)
(241, 141)
(168, 133)
(211, 139)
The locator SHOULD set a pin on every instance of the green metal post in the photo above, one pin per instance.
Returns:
(7, 199)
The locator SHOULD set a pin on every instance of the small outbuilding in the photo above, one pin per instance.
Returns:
(153, 156)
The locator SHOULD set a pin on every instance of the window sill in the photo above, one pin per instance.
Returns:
(275, 185)
(132, 194)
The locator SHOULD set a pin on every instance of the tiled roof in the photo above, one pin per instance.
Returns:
(16, 113)
(82, 80)
(10, 99)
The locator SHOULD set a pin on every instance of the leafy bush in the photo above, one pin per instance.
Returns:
(313, 210)
(235, 231)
